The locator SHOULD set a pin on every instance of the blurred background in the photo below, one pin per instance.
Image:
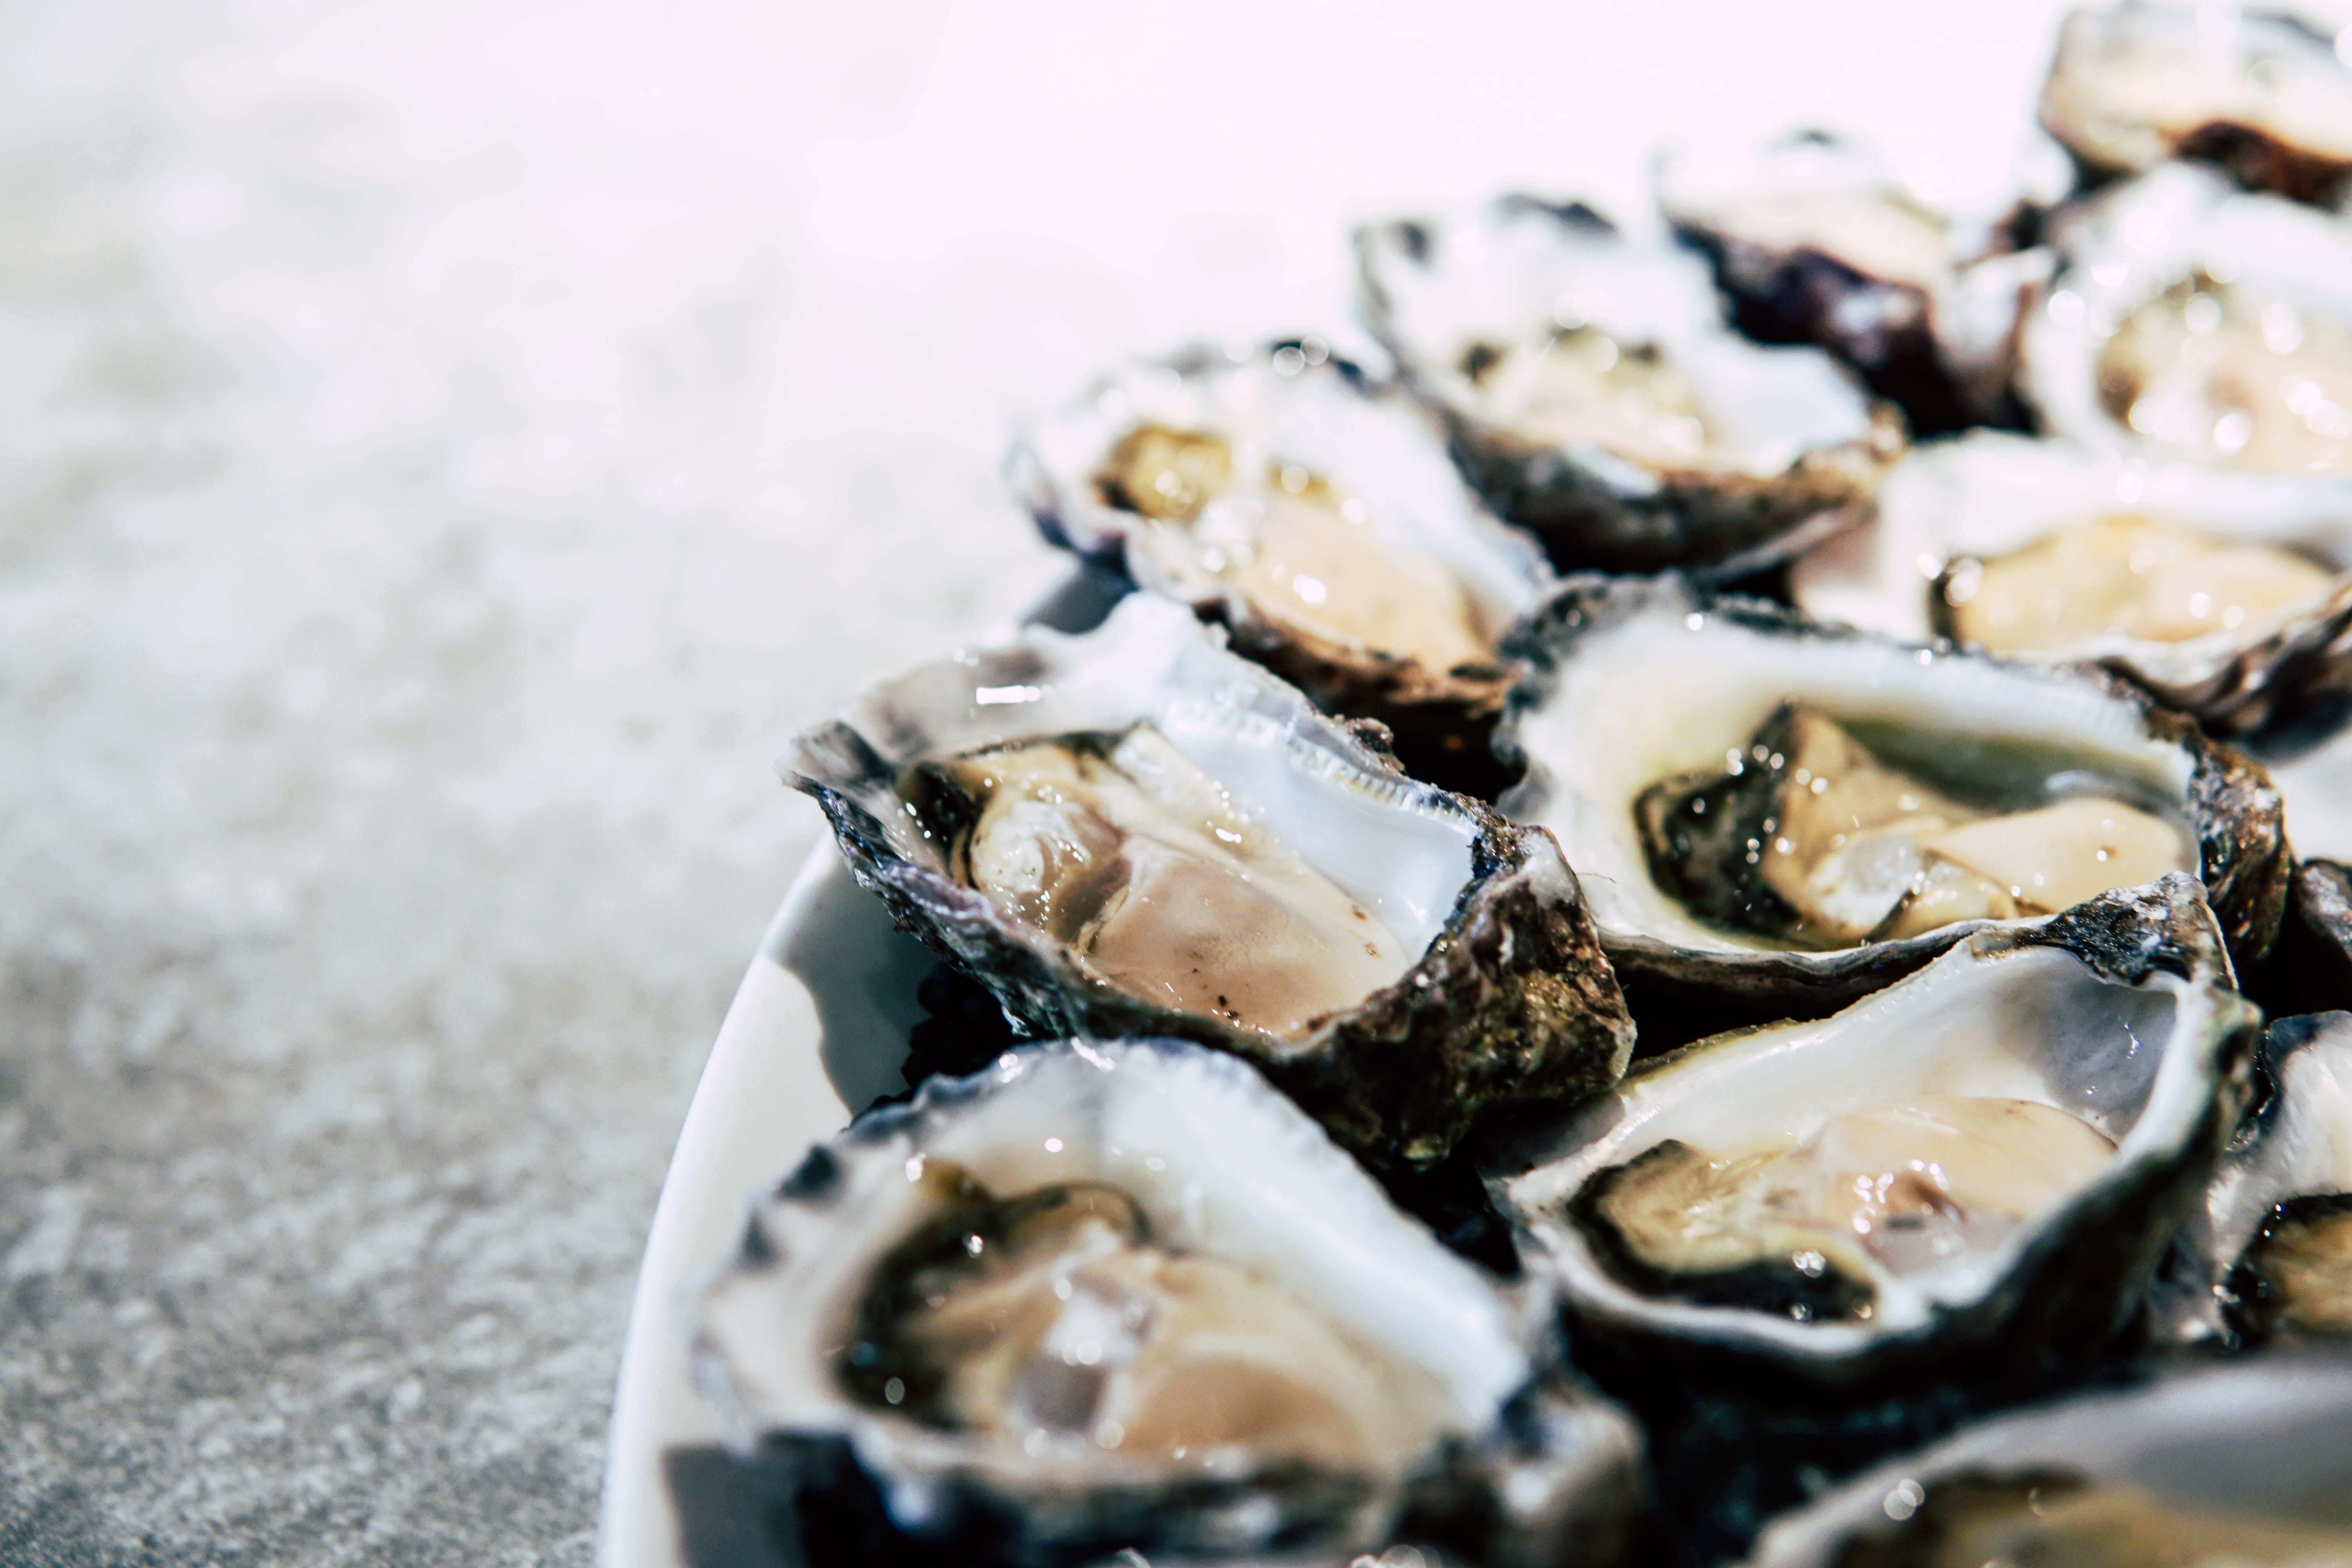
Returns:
(444, 451)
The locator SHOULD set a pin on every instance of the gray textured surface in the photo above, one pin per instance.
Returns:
(443, 450)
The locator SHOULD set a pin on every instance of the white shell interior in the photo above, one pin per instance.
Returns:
(1400, 848)
(1989, 493)
(1666, 689)
(1517, 271)
(2133, 243)
(1219, 1163)
(2315, 786)
(1272, 410)
(2032, 1024)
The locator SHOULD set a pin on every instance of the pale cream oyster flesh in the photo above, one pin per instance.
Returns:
(1110, 1296)
(1890, 1185)
(2224, 593)
(2263, 96)
(1134, 831)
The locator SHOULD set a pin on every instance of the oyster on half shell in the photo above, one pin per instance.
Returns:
(1774, 818)
(2224, 593)
(1134, 831)
(1316, 517)
(1982, 1162)
(1817, 240)
(1593, 391)
(1106, 1297)
(2246, 1464)
(2263, 96)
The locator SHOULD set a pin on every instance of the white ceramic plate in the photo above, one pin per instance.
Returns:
(819, 1025)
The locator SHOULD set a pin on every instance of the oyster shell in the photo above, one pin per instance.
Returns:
(2263, 96)
(1315, 516)
(1134, 832)
(1108, 1296)
(1817, 240)
(1592, 390)
(1982, 1162)
(2271, 1255)
(2192, 322)
(1774, 818)
(2222, 593)
(2248, 1462)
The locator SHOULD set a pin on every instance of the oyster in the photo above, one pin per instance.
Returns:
(1592, 390)
(1136, 832)
(2245, 1464)
(1121, 1296)
(1318, 518)
(2220, 591)
(2191, 323)
(2263, 96)
(1816, 240)
(1986, 1160)
(1774, 818)
(2271, 1256)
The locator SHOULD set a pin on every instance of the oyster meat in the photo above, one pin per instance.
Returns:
(1777, 818)
(1984, 1160)
(1122, 1296)
(1134, 831)
(2220, 591)
(2191, 323)
(2236, 1465)
(1592, 390)
(1817, 240)
(2263, 96)
(1316, 517)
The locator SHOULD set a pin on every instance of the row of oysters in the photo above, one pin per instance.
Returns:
(1347, 860)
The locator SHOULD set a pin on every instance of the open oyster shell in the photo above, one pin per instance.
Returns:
(1817, 240)
(1980, 1164)
(1593, 391)
(1487, 988)
(1318, 518)
(2224, 593)
(2192, 322)
(2246, 1462)
(1121, 1296)
(2271, 1255)
(1641, 686)
(2263, 96)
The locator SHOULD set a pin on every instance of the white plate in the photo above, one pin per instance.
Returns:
(819, 1025)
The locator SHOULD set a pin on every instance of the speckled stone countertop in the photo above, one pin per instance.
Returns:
(444, 450)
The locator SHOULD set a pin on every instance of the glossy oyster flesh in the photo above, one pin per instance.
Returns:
(2221, 593)
(1122, 1296)
(1983, 1161)
(1135, 832)
(2271, 1255)
(2231, 1465)
(2264, 97)
(1318, 517)
(1592, 390)
(1817, 240)
(2192, 322)
(1780, 819)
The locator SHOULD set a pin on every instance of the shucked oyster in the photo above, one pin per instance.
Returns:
(2271, 1256)
(2222, 592)
(2263, 96)
(1775, 818)
(1121, 1296)
(2191, 323)
(1136, 832)
(1320, 520)
(1592, 390)
(1816, 240)
(2247, 1464)
(1986, 1159)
